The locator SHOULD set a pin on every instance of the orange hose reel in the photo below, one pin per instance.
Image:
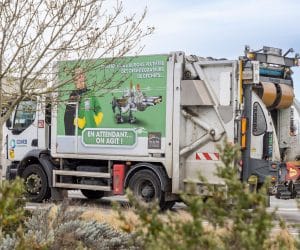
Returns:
(278, 96)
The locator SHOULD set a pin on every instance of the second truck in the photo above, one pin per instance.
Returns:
(157, 130)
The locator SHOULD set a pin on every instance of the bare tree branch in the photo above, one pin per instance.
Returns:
(34, 34)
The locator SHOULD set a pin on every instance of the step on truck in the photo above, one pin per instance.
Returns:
(156, 131)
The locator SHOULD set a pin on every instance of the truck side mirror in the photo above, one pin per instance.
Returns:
(8, 123)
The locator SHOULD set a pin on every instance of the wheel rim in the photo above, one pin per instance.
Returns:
(33, 184)
(146, 191)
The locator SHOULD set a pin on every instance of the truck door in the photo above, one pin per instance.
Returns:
(261, 121)
(260, 138)
(22, 136)
(66, 136)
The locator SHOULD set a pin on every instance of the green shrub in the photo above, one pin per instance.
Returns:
(58, 227)
(11, 206)
(222, 221)
(61, 227)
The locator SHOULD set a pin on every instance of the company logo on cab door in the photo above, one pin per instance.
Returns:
(12, 143)
(18, 143)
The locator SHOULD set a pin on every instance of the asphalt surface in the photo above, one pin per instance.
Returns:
(285, 209)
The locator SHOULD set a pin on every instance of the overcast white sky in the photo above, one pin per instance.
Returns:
(221, 28)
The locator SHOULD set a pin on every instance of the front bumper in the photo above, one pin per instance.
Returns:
(11, 172)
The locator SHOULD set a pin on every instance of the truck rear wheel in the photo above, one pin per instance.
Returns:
(146, 187)
(92, 194)
(168, 205)
(36, 183)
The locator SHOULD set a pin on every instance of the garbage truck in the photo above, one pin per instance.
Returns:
(156, 130)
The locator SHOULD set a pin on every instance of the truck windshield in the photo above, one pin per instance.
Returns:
(25, 115)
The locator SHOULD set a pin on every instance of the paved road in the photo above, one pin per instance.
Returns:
(286, 209)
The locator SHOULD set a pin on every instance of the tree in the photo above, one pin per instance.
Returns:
(34, 34)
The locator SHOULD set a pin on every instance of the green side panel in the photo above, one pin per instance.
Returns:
(127, 94)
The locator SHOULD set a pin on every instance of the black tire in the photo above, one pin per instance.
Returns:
(146, 187)
(36, 183)
(92, 194)
(168, 205)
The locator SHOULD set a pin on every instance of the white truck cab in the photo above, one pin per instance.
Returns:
(27, 129)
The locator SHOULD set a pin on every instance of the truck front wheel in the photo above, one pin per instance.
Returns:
(36, 183)
(146, 187)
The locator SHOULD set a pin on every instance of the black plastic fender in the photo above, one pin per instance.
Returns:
(38, 156)
(157, 169)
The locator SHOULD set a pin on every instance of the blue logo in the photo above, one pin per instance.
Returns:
(18, 143)
(12, 143)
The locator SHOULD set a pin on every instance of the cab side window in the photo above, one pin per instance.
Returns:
(259, 124)
(24, 116)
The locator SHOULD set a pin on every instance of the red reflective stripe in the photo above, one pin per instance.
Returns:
(217, 155)
(207, 156)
